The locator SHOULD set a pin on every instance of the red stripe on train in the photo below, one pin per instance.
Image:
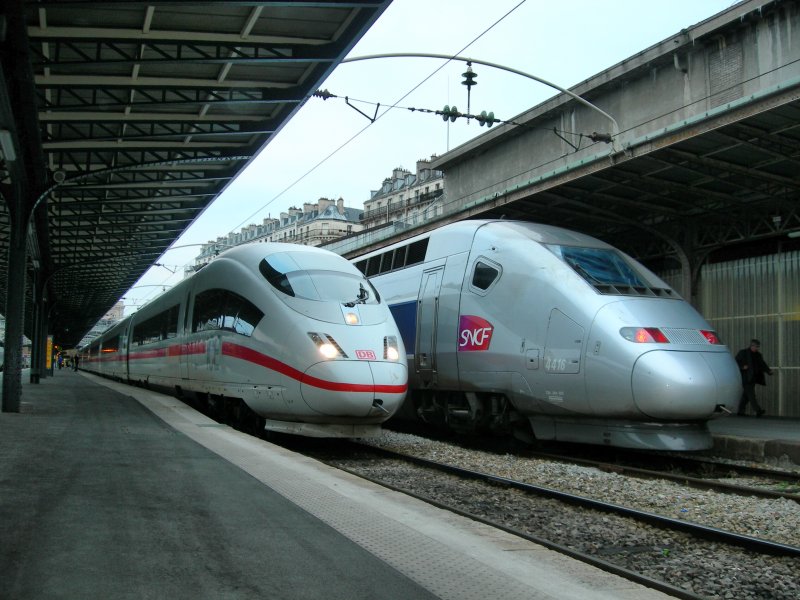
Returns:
(243, 353)
(262, 360)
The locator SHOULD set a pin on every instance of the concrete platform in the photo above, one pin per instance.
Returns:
(771, 440)
(110, 491)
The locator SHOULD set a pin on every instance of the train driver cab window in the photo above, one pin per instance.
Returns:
(598, 266)
(484, 275)
(317, 277)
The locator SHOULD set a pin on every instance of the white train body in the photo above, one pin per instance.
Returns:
(295, 332)
(512, 323)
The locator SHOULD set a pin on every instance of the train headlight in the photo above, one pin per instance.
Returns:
(390, 351)
(351, 314)
(326, 345)
(328, 350)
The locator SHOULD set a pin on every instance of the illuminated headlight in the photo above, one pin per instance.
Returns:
(328, 351)
(351, 318)
(390, 351)
(326, 345)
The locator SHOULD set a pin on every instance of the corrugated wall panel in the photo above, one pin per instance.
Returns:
(758, 297)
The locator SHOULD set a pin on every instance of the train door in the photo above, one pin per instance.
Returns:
(187, 330)
(126, 348)
(427, 317)
(562, 362)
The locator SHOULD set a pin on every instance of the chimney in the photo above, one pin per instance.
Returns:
(340, 205)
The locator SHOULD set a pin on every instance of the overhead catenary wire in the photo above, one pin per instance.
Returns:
(594, 137)
(388, 108)
(377, 117)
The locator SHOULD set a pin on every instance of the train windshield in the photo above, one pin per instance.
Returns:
(598, 266)
(317, 277)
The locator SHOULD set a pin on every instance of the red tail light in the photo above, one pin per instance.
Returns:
(711, 336)
(644, 335)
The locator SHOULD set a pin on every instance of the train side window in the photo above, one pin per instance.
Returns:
(111, 345)
(399, 260)
(416, 252)
(208, 310)
(373, 265)
(386, 261)
(223, 309)
(405, 256)
(240, 315)
(484, 275)
(163, 326)
(171, 330)
(147, 332)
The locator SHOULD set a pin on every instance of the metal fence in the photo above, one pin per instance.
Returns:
(758, 298)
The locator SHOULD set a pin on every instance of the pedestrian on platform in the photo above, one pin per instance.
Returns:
(753, 367)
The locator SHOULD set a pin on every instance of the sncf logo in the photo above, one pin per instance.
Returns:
(474, 334)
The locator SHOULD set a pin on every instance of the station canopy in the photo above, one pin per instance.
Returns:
(121, 122)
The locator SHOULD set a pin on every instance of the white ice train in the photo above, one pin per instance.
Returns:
(296, 333)
(550, 334)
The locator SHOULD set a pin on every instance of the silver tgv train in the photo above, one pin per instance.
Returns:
(295, 332)
(550, 334)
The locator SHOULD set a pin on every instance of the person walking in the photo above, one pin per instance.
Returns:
(752, 366)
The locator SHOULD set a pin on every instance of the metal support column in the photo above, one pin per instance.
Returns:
(15, 306)
(36, 348)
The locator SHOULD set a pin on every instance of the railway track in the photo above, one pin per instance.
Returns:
(698, 530)
(681, 558)
(700, 473)
(653, 549)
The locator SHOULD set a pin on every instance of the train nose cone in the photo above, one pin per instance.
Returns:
(685, 385)
(351, 388)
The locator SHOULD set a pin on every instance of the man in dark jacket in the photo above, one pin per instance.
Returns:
(753, 367)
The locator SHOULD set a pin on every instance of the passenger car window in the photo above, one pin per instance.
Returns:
(240, 315)
(224, 309)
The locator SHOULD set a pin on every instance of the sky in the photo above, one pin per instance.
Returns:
(330, 150)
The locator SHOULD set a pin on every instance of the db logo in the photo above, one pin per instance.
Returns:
(365, 355)
(474, 334)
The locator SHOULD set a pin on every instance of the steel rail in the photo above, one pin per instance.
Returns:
(590, 559)
(697, 482)
(701, 531)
